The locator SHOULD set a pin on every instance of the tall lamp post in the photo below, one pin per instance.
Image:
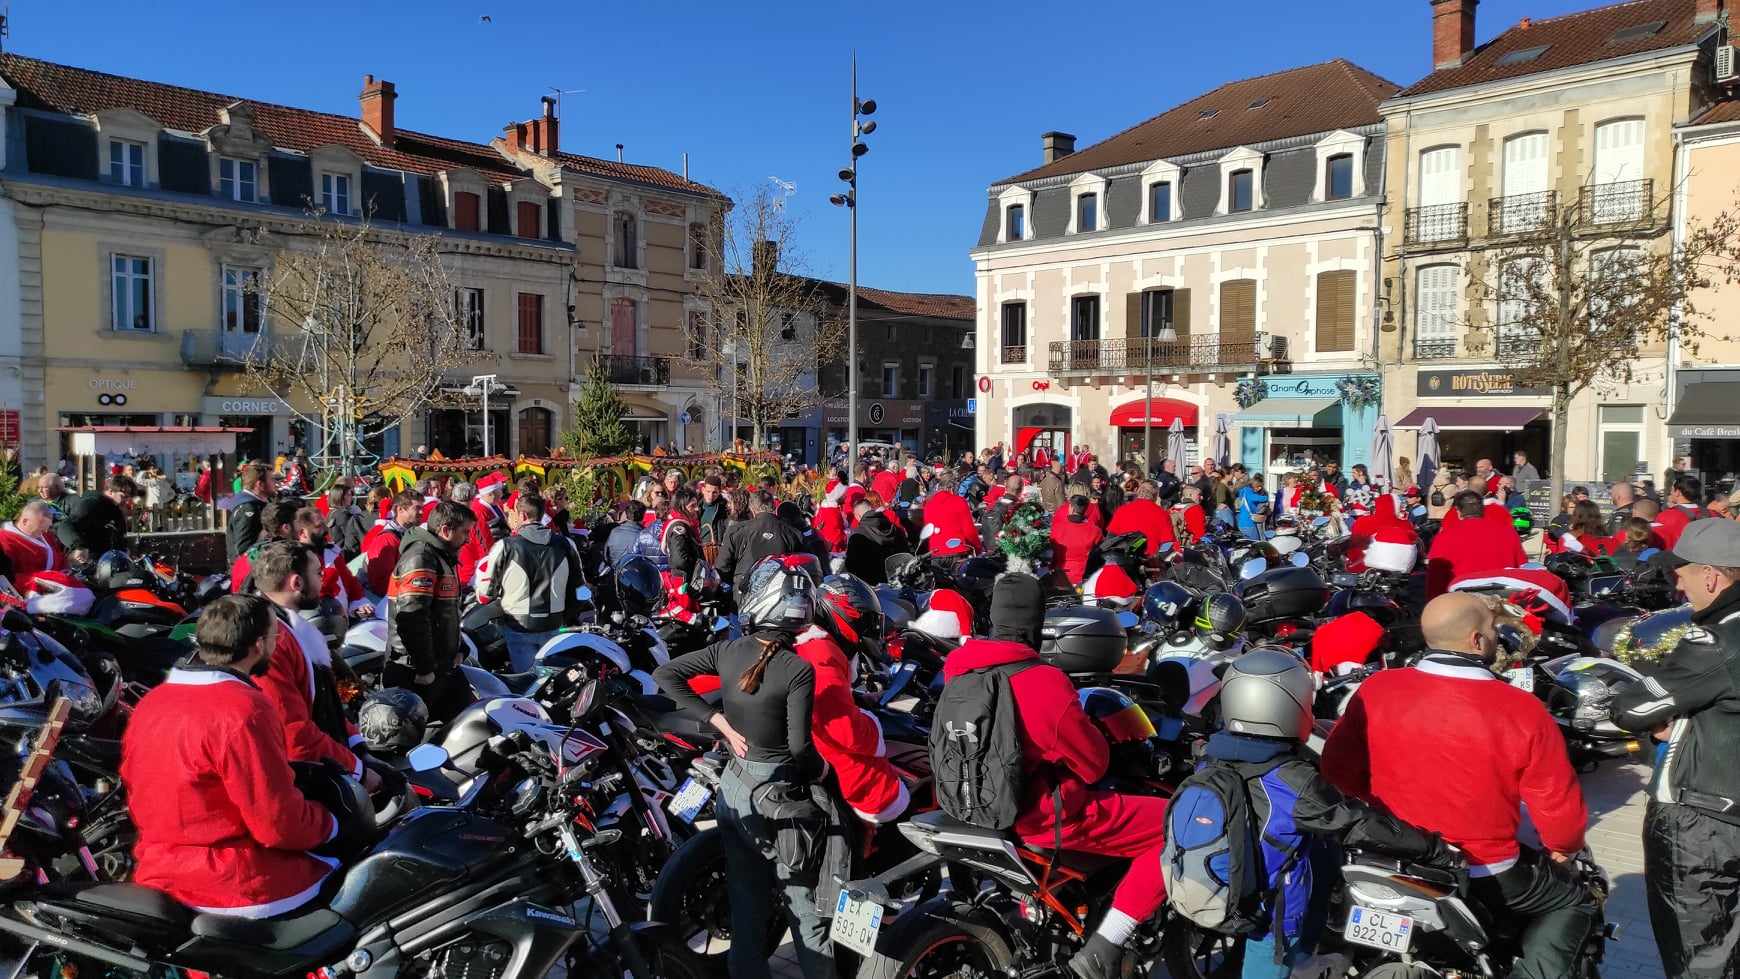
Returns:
(1164, 333)
(849, 201)
(481, 385)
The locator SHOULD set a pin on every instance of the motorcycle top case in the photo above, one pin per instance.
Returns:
(1082, 639)
(1284, 593)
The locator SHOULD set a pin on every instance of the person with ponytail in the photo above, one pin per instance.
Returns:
(767, 697)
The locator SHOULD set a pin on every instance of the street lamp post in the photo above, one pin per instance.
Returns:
(481, 384)
(849, 201)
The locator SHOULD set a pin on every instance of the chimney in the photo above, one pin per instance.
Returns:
(377, 108)
(1452, 32)
(764, 258)
(536, 135)
(1708, 10)
(1057, 145)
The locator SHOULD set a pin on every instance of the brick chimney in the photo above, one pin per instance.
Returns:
(1708, 10)
(535, 135)
(1057, 145)
(764, 258)
(1452, 32)
(377, 107)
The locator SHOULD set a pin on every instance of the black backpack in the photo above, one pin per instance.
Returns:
(975, 748)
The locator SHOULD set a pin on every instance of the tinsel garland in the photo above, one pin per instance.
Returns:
(1025, 535)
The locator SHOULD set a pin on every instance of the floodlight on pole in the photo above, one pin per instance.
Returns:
(481, 386)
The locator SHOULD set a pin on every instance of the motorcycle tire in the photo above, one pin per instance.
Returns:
(935, 947)
(691, 897)
(1192, 953)
(1401, 970)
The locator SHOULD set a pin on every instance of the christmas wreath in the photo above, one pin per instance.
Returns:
(1024, 536)
(1250, 391)
(1360, 392)
(1313, 501)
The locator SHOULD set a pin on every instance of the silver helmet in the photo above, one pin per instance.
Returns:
(1268, 692)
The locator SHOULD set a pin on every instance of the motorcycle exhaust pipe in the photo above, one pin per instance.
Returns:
(101, 953)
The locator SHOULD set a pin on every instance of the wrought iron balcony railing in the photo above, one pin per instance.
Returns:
(1434, 348)
(1521, 213)
(1015, 354)
(224, 348)
(1436, 224)
(631, 369)
(1621, 202)
(1194, 354)
(1516, 343)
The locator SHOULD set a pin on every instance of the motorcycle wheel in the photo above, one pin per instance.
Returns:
(940, 949)
(1400, 970)
(1191, 953)
(691, 897)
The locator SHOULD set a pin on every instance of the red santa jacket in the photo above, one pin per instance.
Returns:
(380, 547)
(1673, 520)
(830, 525)
(337, 581)
(1147, 518)
(1059, 743)
(479, 541)
(289, 683)
(1469, 547)
(949, 529)
(30, 556)
(1465, 767)
(1071, 543)
(221, 825)
(886, 483)
(1195, 521)
(847, 738)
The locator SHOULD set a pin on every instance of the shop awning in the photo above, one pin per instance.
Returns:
(1706, 411)
(638, 410)
(1160, 412)
(1468, 418)
(1291, 413)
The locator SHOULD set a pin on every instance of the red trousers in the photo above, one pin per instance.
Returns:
(1116, 825)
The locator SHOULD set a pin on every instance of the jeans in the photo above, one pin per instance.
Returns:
(522, 647)
(1260, 958)
(750, 878)
(1559, 909)
(1691, 874)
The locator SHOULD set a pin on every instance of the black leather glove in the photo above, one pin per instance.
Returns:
(1444, 855)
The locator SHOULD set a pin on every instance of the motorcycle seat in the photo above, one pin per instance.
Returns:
(144, 902)
(678, 722)
(1086, 864)
(320, 926)
(519, 683)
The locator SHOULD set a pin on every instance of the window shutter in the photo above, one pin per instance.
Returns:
(527, 220)
(1437, 301)
(1335, 312)
(1133, 315)
(1238, 311)
(1181, 312)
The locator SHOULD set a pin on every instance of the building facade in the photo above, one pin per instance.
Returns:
(1215, 265)
(1567, 120)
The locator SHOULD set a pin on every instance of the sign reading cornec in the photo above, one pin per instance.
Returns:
(241, 406)
(1474, 383)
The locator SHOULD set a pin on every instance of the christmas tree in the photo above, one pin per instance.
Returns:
(598, 428)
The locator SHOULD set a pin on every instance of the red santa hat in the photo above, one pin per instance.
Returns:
(1527, 587)
(493, 483)
(1348, 641)
(950, 616)
(1110, 585)
(56, 593)
(836, 492)
(1393, 548)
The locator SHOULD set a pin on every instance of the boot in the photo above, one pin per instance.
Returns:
(1100, 958)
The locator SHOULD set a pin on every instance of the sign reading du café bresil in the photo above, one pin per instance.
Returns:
(1474, 383)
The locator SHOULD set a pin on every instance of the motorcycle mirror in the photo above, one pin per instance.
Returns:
(1250, 569)
(721, 624)
(1299, 559)
(426, 757)
(1127, 619)
(1165, 548)
(583, 593)
(584, 700)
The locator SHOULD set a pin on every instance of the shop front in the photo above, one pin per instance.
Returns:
(900, 423)
(948, 429)
(80, 397)
(1484, 414)
(1147, 422)
(1293, 422)
(1042, 426)
(1705, 424)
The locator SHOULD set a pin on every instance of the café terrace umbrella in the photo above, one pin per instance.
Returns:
(1427, 449)
(1222, 440)
(1381, 449)
(1175, 445)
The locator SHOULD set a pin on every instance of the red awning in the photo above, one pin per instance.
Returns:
(1463, 418)
(1160, 413)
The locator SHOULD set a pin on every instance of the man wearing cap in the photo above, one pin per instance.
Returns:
(1691, 703)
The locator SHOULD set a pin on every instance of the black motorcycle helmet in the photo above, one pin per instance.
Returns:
(1221, 620)
(116, 570)
(780, 595)
(638, 590)
(1170, 605)
(847, 609)
(482, 622)
(392, 719)
(328, 785)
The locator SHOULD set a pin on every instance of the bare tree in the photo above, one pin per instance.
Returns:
(1574, 297)
(770, 327)
(364, 330)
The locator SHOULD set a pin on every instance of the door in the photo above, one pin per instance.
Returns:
(622, 332)
(242, 311)
(1618, 167)
(1440, 193)
(1525, 182)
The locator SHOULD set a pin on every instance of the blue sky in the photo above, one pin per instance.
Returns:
(758, 90)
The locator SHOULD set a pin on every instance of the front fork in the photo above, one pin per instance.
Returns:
(621, 938)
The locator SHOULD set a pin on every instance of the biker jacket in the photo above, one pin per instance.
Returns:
(1696, 692)
(423, 619)
(242, 531)
(533, 574)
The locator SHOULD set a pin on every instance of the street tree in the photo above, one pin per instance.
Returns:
(1575, 297)
(769, 328)
(364, 331)
(598, 427)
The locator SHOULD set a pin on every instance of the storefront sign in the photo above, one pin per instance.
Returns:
(1474, 383)
(984, 385)
(1041, 385)
(242, 406)
(1305, 386)
(1702, 432)
(881, 414)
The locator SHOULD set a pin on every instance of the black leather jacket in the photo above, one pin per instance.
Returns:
(423, 620)
(243, 529)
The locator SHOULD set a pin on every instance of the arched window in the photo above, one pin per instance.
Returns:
(535, 428)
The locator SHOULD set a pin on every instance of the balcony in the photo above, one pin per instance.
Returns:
(1521, 213)
(633, 370)
(1434, 348)
(224, 348)
(1188, 355)
(1625, 202)
(1516, 344)
(1439, 224)
(1015, 355)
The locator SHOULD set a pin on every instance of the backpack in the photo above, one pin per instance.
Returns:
(1220, 861)
(975, 748)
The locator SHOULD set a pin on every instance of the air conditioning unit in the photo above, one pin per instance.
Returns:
(1726, 68)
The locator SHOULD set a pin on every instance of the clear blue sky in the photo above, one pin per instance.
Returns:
(758, 89)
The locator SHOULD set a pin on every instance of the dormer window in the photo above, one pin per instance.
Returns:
(467, 211)
(1239, 190)
(1160, 201)
(238, 180)
(335, 193)
(1338, 177)
(1087, 213)
(126, 163)
(1015, 222)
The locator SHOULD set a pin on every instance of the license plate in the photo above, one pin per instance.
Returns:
(689, 800)
(1522, 678)
(1378, 929)
(855, 924)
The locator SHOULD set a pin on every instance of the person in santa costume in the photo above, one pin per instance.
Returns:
(27, 545)
(1384, 534)
(948, 615)
(1189, 510)
(1475, 543)
(1345, 643)
(337, 582)
(847, 737)
(221, 825)
(489, 524)
(948, 529)
(830, 517)
(1144, 515)
(381, 544)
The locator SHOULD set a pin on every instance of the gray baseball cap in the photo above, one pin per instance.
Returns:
(1713, 541)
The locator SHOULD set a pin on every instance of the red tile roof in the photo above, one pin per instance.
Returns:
(657, 177)
(934, 304)
(1298, 102)
(1573, 39)
(1728, 111)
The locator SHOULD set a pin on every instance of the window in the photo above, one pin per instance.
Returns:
(1606, 268)
(957, 382)
(242, 300)
(1338, 181)
(1014, 333)
(788, 327)
(698, 247)
(1518, 280)
(531, 332)
(126, 163)
(529, 217)
(469, 303)
(1435, 293)
(1335, 306)
(890, 379)
(237, 179)
(535, 432)
(1238, 311)
(698, 349)
(1239, 190)
(626, 252)
(1084, 318)
(925, 372)
(132, 291)
(1087, 212)
(335, 192)
(466, 207)
(1156, 312)
(1621, 441)
(1160, 201)
(1015, 222)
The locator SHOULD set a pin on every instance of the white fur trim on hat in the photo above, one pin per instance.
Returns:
(1392, 556)
(938, 624)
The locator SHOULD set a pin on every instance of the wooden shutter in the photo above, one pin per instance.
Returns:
(1335, 312)
(527, 225)
(531, 332)
(1238, 311)
(1181, 312)
(1133, 315)
(465, 211)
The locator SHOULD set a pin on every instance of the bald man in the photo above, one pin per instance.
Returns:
(1450, 747)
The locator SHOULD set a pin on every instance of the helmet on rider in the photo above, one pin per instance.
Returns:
(847, 609)
(325, 783)
(780, 594)
(1221, 620)
(1126, 727)
(1170, 605)
(638, 588)
(392, 719)
(1268, 692)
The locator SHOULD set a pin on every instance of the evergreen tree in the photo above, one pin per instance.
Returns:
(598, 428)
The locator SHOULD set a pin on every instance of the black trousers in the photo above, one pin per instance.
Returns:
(1691, 871)
(1560, 911)
(446, 697)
